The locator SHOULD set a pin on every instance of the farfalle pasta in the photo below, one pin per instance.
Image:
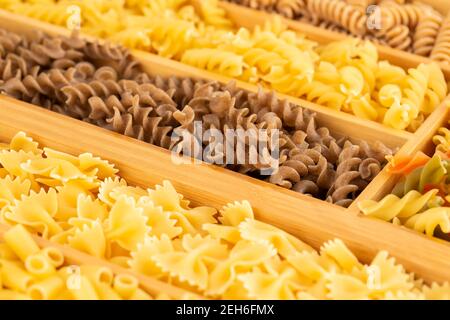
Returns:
(31, 273)
(225, 254)
(442, 140)
(344, 75)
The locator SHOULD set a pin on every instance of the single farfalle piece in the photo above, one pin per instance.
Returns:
(68, 195)
(53, 172)
(107, 186)
(338, 251)
(22, 142)
(89, 208)
(284, 243)
(86, 163)
(126, 224)
(11, 161)
(160, 221)
(235, 213)
(280, 286)
(12, 189)
(37, 211)
(308, 264)
(142, 258)
(89, 238)
(346, 287)
(189, 219)
(191, 264)
(385, 275)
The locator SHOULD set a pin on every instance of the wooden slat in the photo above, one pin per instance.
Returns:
(75, 257)
(340, 123)
(249, 18)
(312, 220)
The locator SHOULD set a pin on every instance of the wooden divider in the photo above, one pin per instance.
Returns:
(75, 257)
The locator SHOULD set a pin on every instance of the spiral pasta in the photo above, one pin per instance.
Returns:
(200, 34)
(35, 276)
(420, 199)
(102, 85)
(345, 15)
(431, 173)
(225, 63)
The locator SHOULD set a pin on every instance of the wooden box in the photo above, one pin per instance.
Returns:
(312, 220)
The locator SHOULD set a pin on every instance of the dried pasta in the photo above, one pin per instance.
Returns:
(200, 34)
(420, 199)
(221, 255)
(30, 274)
(102, 85)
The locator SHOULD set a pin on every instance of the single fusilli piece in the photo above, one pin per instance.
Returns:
(350, 17)
(442, 140)
(426, 34)
(441, 49)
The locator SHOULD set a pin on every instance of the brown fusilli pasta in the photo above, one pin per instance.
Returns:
(102, 85)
